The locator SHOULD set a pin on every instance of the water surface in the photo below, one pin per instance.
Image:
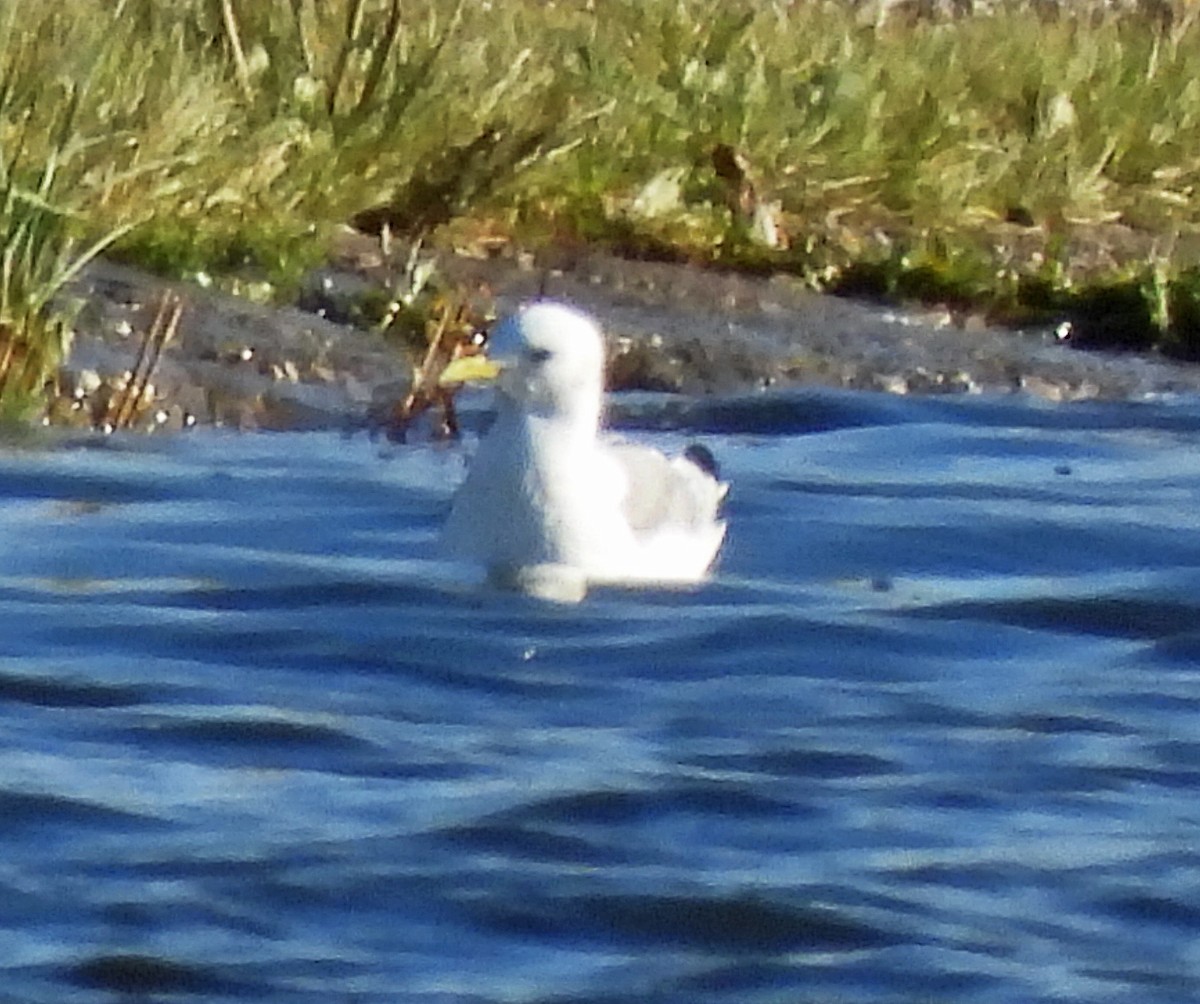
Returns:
(929, 735)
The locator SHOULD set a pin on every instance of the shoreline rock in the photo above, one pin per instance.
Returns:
(672, 328)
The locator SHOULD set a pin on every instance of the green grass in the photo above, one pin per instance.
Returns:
(43, 243)
(1007, 163)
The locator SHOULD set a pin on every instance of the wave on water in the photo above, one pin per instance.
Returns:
(928, 734)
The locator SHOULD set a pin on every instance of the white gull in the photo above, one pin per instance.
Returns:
(551, 505)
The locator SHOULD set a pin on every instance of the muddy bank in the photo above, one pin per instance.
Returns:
(671, 328)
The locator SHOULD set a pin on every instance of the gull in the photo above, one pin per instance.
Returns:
(550, 504)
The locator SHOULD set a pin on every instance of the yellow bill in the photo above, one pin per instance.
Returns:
(466, 369)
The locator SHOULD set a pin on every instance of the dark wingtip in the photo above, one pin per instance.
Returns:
(702, 457)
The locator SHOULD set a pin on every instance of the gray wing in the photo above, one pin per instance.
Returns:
(666, 491)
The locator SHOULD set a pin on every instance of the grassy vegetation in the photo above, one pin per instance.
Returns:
(1013, 162)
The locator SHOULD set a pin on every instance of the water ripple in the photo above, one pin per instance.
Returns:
(929, 735)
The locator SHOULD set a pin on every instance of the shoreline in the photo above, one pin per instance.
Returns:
(679, 329)
(1044, 172)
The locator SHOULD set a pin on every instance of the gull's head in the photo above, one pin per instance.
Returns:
(547, 359)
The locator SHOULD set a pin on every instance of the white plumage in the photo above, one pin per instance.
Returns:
(549, 505)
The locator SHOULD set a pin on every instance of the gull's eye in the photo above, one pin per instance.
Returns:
(538, 355)
(478, 338)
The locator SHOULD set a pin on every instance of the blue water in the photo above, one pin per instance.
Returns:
(931, 734)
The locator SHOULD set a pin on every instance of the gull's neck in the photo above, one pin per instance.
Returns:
(577, 423)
